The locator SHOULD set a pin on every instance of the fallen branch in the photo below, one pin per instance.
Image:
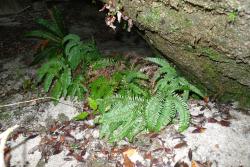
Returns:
(3, 140)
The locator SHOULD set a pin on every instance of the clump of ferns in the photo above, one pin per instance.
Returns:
(67, 58)
(126, 115)
(124, 82)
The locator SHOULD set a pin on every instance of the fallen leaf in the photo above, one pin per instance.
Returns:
(127, 162)
(206, 99)
(181, 164)
(212, 120)
(199, 130)
(154, 135)
(53, 129)
(190, 154)
(68, 159)
(57, 148)
(180, 145)
(133, 155)
(224, 123)
(194, 164)
(62, 139)
(158, 149)
(130, 152)
(139, 164)
(205, 164)
(155, 161)
(178, 136)
(148, 155)
(115, 150)
(78, 157)
(168, 150)
(202, 108)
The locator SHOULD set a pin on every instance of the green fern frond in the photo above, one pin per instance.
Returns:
(90, 52)
(167, 113)
(74, 57)
(57, 90)
(153, 110)
(122, 118)
(123, 130)
(137, 90)
(43, 35)
(57, 18)
(138, 126)
(49, 26)
(49, 70)
(76, 88)
(70, 37)
(159, 61)
(48, 81)
(103, 63)
(131, 75)
(101, 88)
(66, 79)
(184, 115)
(48, 52)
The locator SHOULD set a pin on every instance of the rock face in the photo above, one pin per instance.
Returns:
(208, 40)
(9, 7)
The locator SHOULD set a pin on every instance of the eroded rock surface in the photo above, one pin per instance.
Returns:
(209, 41)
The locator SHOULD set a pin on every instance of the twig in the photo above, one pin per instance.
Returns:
(28, 101)
(22, 10)
(3, 140)
(35, 100)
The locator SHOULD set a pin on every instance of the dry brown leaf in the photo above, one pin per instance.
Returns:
(148, 155)
(127, 162)
(180, 145)
(199, 130)
(212, 120)
(181, 164)
(130, 152)
(224, 123)
(190, 154)
(194, 164)
(206, 99)
(168, 150)
(154, 135)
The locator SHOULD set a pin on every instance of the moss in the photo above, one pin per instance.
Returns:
(4, 116)
(156, 16)
(213, 54)
(231, 17)
(151, 17)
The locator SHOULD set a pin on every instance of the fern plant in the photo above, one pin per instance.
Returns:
(52, 33)
(77, 51)
(124, 116)
(57, 70)
(128, 82)
(67, 58)
(131, 82)
(62, 69)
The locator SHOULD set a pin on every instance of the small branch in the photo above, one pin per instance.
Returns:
(3, 139)
(35, 100)
(28, 101)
